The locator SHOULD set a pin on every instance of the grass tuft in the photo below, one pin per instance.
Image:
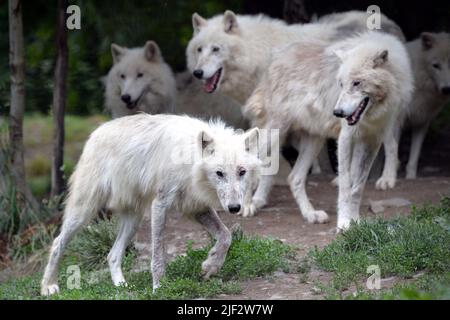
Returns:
(400, 247)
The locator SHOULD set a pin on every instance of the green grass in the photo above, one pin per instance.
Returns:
(249, 257)
(401, 247)
(38, 133)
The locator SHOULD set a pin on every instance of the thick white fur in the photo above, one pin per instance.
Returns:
(297, 96)
(142, 163)
(166, 93)
(428, 100)
(154, 90)
(242, 45)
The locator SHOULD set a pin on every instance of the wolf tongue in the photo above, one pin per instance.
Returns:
(210, 83)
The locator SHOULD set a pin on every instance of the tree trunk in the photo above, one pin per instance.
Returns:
(17, 107)
(295, 12)
(59, 100)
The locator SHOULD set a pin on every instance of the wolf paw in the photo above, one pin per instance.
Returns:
(48, 290)
(251, 209)
(209, 269)
(344, 223)
(317, 216)
(385, 183)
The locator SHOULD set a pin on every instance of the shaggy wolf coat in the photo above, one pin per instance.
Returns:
(230, 52)
(309, 86)
(430, 57)
(143, 163)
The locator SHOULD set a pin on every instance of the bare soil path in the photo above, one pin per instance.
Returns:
(281, 219)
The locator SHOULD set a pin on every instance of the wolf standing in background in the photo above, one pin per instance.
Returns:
(139, 80)
(366, 78)
(430, 56)
(142, 163)
(230, 52)
(142, 71)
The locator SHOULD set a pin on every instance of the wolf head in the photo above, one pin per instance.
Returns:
(137, 74)
(436, 53)
(372, 66)
(229, 166)
(210, 49)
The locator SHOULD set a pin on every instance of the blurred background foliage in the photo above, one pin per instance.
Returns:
(131, 23)
(128, 23)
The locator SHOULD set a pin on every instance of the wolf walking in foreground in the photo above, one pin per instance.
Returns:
(352, 90)
(430, 57)
(142, 163)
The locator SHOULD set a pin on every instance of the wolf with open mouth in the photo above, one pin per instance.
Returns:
(139, 81)
(352, 91)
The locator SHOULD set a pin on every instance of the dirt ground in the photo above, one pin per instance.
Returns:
(281, 219)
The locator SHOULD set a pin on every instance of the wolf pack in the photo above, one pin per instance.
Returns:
(193, 142)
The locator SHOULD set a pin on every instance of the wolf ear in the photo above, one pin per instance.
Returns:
(380, 59)
(251, 138)
(117, 52)
(230, 23)
(205, 141)
(428, 40)
(197, 22)
(151, 51)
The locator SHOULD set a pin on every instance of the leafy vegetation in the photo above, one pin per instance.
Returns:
(401, 247)
(249, 257)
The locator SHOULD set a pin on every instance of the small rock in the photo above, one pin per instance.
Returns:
(378, 206)
(278, 274)
(276, 297)
(313, 184)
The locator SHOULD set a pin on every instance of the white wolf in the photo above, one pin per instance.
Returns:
(430, 56)
(146, 75)
(365, 80)
(139, 80)
(158, 163)
(230, 53)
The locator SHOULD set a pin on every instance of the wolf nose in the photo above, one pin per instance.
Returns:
(234, 208)
(338, 113)
(198, 73)
(126, 98)
(445, 90)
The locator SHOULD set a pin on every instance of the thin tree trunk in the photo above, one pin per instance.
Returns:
(295, 12)
(59, 100)
(17, 107)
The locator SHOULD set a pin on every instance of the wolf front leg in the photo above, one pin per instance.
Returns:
(216, 256)
(355, 160)
(391, 143)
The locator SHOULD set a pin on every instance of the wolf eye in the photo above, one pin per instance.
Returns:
(219, 174)
(140, 75)
(356, 83)
(436, 66)
(215, 49)
(242, 172)
(199, 49)
(122, 76)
